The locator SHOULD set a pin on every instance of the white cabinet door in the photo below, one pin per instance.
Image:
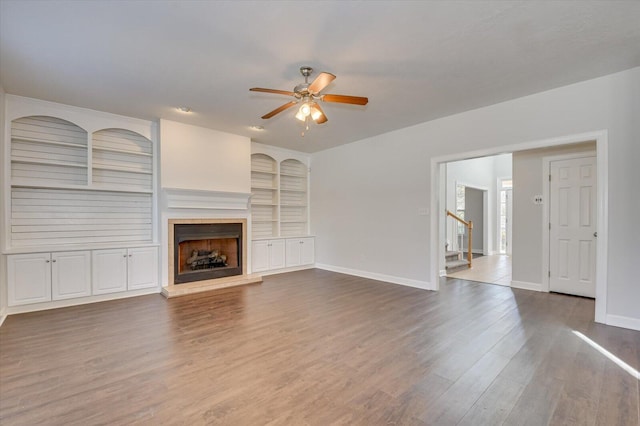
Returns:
(293, 252)
(142, 271)
(109, 271)
(29, 278)
(307, 251)
(276, 254)
(70, 274)
(260, 256)
(300, 251)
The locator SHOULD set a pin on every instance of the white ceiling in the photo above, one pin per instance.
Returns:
(416, 61)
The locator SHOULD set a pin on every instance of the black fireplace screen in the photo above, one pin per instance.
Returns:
(205, 251)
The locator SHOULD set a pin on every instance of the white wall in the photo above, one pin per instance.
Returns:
(527, 216)
(193, 157)
(366, 195)
(3, 230)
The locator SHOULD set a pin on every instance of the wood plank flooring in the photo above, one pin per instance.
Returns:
(320, 348)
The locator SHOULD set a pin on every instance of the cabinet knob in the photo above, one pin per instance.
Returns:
(48, 261)
(124, 255)
(129, 255)
(54, 261)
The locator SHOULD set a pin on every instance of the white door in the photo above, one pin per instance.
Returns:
(70, 274)
(572, 219)
(142, 269)
(109, 271)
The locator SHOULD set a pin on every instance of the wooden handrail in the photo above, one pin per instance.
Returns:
(469, 226)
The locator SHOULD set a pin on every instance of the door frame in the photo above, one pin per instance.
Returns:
(509, 217)
(546, 233)
(438, 205)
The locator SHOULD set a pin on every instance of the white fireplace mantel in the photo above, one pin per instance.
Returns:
(177, 198)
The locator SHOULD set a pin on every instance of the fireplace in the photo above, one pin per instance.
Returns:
(205, 251)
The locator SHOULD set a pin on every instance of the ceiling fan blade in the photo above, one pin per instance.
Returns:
(279, 92)
(344, 99)
(322, 118)
(279, 109)
(321, 81)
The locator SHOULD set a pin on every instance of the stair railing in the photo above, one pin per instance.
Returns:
(469, 226)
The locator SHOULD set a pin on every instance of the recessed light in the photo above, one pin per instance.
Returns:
(184, 109)
(256, 127)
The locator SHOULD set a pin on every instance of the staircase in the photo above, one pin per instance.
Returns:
(454, 262)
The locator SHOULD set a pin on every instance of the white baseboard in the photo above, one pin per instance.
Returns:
(623, 322)
(20, 309)
(2, 318)
(424, 285)
(283, 270)
(526, 286)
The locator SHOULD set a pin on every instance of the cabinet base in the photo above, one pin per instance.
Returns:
(200, 286)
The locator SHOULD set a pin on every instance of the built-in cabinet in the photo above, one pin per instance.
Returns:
(267, 255)
(117, 270)
(45, 277)
(300, 251)
(81, 188)
(279, 209)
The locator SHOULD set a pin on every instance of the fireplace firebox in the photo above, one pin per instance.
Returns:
(204, 251)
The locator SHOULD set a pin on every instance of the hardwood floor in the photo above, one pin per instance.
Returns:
(319, 348)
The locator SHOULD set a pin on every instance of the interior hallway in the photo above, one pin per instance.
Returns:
(493, 269)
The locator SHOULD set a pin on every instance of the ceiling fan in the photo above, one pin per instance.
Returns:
(308, 94)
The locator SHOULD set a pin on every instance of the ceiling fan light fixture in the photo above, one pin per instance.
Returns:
(303, 111)
(315, 112)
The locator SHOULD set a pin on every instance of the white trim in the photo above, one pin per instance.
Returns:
(2, 318)
(19, 309)
(546, 233)
(601, 138)
(526, 286)
(424, 285)
(624, 322)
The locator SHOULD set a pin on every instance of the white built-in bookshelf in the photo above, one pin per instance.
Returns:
(279, 197)
(62, 192)
(79, 206)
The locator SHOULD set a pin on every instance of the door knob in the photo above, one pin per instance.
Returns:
(595, 234)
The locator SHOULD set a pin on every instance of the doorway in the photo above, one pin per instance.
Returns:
(438, 222)
(472, 197)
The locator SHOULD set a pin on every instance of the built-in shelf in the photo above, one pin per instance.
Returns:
(120, 151)
(92, 192)
(293, 175)
(279, 197)
(25, 184)
(122, 169)
(48, 162)
(268, 188)
(48, 142)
